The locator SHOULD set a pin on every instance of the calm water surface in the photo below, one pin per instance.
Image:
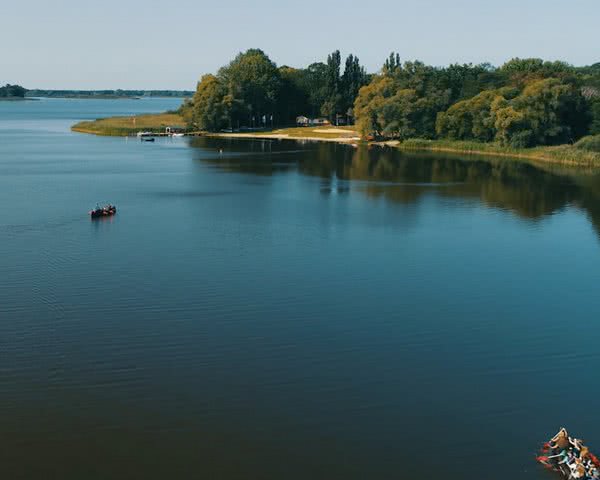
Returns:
(286, 310)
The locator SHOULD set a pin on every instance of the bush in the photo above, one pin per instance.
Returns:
(522, 139)
(591, 143)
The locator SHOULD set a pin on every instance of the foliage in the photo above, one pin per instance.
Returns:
(208, 109)
(251, 83)
(12, 91)
(252, 92)
(473, 119)
(590, 143)
(524, 103)
(520, 71)
(403, 101)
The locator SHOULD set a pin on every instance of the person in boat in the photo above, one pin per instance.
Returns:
(584, 453)
(560, 441)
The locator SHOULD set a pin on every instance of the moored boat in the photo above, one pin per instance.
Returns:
(105, 211)
(569, 457)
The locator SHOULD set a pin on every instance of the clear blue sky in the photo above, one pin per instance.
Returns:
(170, 44)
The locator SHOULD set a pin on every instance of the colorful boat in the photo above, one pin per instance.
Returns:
(105, 211)
(569, 457)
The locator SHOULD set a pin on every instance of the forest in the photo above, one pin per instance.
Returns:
(523, 103)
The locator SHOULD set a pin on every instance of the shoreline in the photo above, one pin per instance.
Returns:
(567, 155)
(280, 136)
(559, 155)
(130, 125)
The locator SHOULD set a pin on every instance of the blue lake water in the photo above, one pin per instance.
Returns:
(286, 310)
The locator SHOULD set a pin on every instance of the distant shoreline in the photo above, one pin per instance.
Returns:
(108, 94)
(89, 97)
(99, 97)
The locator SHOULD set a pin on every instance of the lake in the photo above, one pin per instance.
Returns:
(286, 310)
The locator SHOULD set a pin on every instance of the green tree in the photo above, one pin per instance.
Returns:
(313, 81)
(333, 103)
(208, 109)
(395, 117)
(520, 71)
(472, 119)
(546, 112)
(371, 99)
(294, 98)
(253, 82)
(353, 78)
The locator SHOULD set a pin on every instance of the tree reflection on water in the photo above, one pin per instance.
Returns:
(529, 190)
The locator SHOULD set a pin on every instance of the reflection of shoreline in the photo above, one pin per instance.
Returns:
(529, 189)
(17, 99)
(559, 155)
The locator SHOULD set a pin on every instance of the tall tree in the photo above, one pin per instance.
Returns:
(353, 78)
(333, 97)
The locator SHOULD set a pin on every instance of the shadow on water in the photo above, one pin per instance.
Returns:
(528, 190)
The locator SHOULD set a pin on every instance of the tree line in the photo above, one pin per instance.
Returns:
(523, 103)
(119, 93)
(251, 91)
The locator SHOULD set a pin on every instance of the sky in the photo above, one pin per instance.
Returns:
(134, 44)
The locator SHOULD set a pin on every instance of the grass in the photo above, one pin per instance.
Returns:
(561, 154)
(124, 126)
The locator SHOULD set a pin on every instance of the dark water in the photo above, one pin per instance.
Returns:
(286, 310)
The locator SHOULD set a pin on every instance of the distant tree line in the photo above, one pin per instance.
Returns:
(108, 93)
(523, 103)
(251, 91)
(12, 91)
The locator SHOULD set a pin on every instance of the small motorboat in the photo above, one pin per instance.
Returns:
(147, 139)
(569, 457)
(105, 211)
